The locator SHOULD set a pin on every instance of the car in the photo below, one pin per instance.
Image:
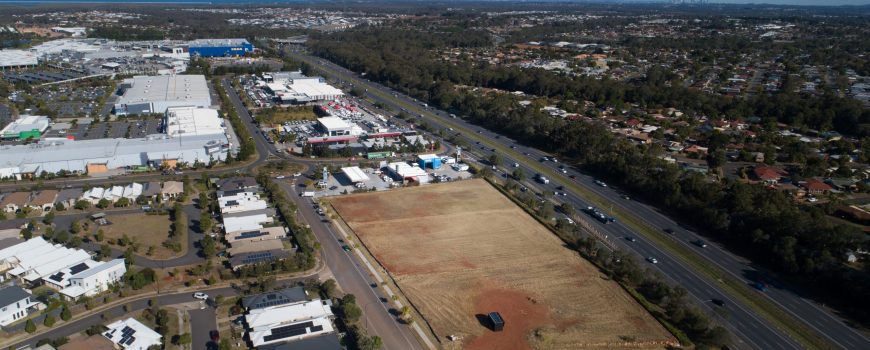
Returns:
(631, 239)
(563, 171)
(652, 260)
(761, 286)
(200, 296)
(718, 302)
(812, 199)
(146, 208)
(214, 335)
(561, 194)
(626, 197)
(516, 165)
(700, 243)
(345, 248)
(669, 231)
(279, 177)
(600, 183)
(333, 188)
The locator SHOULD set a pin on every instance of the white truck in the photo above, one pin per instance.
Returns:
(307, 194)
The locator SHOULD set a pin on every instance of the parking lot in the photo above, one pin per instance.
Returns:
(379, 180)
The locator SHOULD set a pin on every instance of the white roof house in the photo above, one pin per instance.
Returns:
(59, 280)
(289, 322)
(155, 94)
(253, 222)
(94, 194)
(243, 205)
(35, 259)
(95, 280)
(186, 121)
(132, 191)
(130, 334)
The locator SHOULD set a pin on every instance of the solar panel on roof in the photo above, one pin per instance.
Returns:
(131, 340)
(316, 329)
(78, 268)
(57, 277)
(289, 331)
(250, 234)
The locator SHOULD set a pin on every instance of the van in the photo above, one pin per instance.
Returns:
(307, 194)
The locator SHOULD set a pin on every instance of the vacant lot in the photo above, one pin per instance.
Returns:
(146, 230)
(279, 115)
(459, 250)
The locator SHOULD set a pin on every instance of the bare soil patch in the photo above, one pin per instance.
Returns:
(461, 249)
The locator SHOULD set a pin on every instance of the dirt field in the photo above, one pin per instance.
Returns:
(460, 250)
(147, 230)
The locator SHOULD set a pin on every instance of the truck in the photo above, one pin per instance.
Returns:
(542, 179)
(307, 194)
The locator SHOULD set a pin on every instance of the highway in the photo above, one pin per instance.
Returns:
(752, 331)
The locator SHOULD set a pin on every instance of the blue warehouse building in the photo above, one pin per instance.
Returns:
(219, 47)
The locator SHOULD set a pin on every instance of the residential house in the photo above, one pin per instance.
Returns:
(816, 186)
(60, 280)
(94, 195)
(68, 197)
(95, 280)
(151, 190)
(130, 334)
(768, 174)
(256, 235)
(275, 298)
(328, 341)
(249, 223)
(14, 201)
(35, 259)
(172, 189)
(132, 191)
(236, 183)
(43, 201)
(241, 247)
(15, 304)
(242, 259)
(289, 322)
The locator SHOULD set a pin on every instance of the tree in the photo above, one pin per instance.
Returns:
(494, 159)
(75, 227)
(82, 204)
(369, 343)
(49, 320)
(567, 209)
(129, 258)
(59, 206)
(26, 233)
(103, 203)
(122, 202)
(518, 174)
(48, 218)
(349, 309)
(105, 251)
(547, 210)
(328, 288)
(205, 222)
(30, 327)
(65, 314)
(99, 235)
(208, 247)
(182, 339)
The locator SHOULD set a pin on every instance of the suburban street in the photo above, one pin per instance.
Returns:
(753, 331)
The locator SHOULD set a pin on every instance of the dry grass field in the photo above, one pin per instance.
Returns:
(459, 250)
(147, 230)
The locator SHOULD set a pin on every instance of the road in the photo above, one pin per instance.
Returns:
(753, 331)
(202, 322)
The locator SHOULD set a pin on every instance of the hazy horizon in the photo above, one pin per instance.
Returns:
(734, 2)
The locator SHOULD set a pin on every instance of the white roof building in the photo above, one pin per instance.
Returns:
(95, 280)
(294, 87)
(355, 174)
(248, 223)
(132, 191)
(186, 121)
(408, 172)
(25, 123)
(289, 322)
(17, 58)
(155, 94)
(35, 259)
(94, 194)
(130, 334)
(242, 205)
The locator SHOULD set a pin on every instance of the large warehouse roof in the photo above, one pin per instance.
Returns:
(146, 89)
(333, 123)
(17, 58)
(355, 174)
(218, 42)
(188, 121)
(26, 123)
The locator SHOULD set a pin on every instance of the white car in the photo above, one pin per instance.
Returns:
(516, 165)
(279, 177)
(600, 183)
(652, 260)
(200, 296)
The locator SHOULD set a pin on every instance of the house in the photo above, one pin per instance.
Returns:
(130, 334)
(320, 342)
(249, 223)
(35, 259)
(68, 197)
(132, 191)
(275, 298)
(236, 183)
(43, 201)
(256, 235)
(239, 260)
(95, 280)
(815, 186)
(93, 195)
(172, 189)
(60, 280)
(241, 247)
(768, 175)
(14, 201)
(150, 190)
(289, 322)
(15, 304)
(94, 342)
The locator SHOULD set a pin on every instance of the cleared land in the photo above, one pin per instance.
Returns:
(146, 230)
(460, 250)
(280, 115)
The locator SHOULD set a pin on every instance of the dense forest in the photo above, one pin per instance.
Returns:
(762, 224)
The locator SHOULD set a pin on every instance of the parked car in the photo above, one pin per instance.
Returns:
(214, 335)
(600, 183)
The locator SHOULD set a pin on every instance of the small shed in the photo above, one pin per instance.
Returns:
(496, 321)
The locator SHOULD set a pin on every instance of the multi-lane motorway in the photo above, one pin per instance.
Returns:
(752, 330)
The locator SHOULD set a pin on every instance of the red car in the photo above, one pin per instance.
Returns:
(214, 335)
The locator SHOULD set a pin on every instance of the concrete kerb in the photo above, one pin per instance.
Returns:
(394, 298)
(147, 295)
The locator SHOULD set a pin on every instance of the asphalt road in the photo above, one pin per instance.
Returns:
(752, 331)
(202, 322)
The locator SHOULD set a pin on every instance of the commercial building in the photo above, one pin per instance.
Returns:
(17, 58)
(15, 304)
(296, 88)
(354, 174)
(130, 334)
(193, 121)
(101, 155)
(155, 94)
(219, 47)
(429, 160)
(25, 127)
(405, 172)
(289, 322)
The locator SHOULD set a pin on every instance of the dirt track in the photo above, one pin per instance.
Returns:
(460, 250)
